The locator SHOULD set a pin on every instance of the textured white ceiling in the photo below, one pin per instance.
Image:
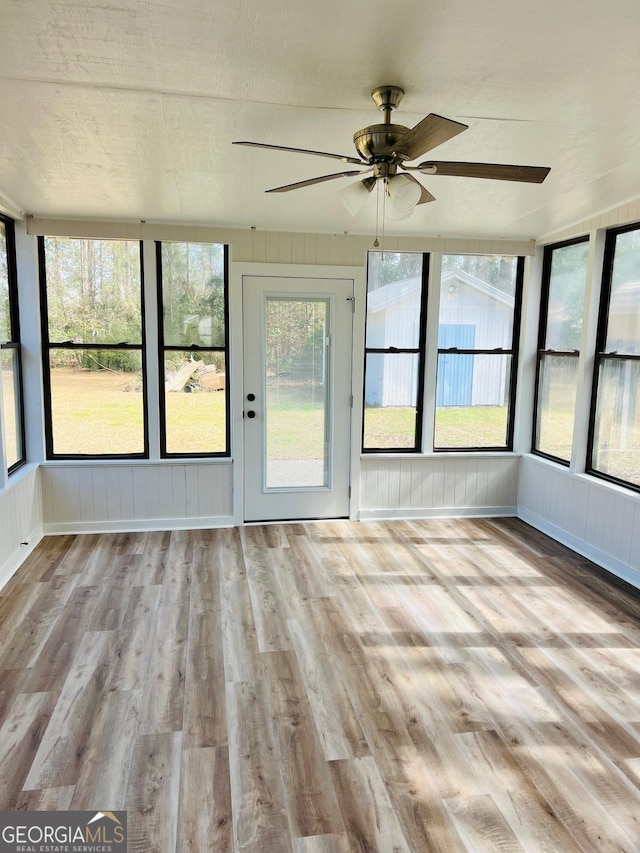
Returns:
(127, 110)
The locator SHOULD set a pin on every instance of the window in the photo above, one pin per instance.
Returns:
(614, 431)
(192, 294)
(394, 351)
(10, 353)
(564, 277)
(93, 348)
(479, 324)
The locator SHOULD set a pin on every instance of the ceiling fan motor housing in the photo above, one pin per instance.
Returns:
(378, 140)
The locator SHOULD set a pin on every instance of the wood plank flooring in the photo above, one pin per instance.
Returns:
(421, 686)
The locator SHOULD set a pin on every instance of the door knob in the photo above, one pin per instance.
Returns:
(251, 413)
(251, 397)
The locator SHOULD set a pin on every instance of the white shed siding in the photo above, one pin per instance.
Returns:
(393, 317)
(492, 320)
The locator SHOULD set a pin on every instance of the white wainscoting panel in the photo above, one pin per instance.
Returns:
(276, 247)
(599, 520)
(627, 212)
(20, 520)
(438, 485)
(86, 497)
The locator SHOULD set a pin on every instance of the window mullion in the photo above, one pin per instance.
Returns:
(150, 320)
(431, 353)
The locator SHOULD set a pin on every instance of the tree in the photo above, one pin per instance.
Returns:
(296, 330)
(497, 270)
(388, 267)
(94, 296)
(566, 296)
(193, 299)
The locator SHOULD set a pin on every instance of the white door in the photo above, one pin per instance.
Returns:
(297, 397)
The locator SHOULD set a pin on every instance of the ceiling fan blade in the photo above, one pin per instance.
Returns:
(432, 131)
(491, 171)
(312, 181)
(343, 157)
(425, 195)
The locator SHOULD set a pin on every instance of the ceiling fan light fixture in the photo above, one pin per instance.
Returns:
(404, 193)
(395, 215)
(355, 195)
(385, 148)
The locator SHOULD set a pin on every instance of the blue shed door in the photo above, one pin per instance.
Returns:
(455, 372)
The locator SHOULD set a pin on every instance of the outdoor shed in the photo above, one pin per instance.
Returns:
(473, 316)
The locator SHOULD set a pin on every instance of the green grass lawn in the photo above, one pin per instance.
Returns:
(102, 413)
(96, 412)
(469, 426)
(196, 422)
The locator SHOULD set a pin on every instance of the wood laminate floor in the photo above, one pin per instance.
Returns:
(422, 686)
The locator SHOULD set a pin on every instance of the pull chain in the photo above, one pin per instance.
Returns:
(384, 213)
(376, 242)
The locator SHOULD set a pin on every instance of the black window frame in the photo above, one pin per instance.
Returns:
(547, 262)
(193, 348)
(601, 355)
(513, 373)
(14, 344)
(420, 350)
(48, 346)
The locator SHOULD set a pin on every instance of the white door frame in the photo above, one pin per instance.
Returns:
(236, 272)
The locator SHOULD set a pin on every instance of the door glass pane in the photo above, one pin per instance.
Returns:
(296, 392)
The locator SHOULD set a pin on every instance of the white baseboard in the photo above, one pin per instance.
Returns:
(437, 512)
(11, 566)
(601, 558)
(138, 525)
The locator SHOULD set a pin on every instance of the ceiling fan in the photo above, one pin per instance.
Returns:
(385, 148)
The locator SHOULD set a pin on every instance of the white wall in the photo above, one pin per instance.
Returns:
(597, 519)
(277, 247)
(20, 520)
(90, 497)
(446, 485)
(591, 516)
(20, 496)
(81, 496)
